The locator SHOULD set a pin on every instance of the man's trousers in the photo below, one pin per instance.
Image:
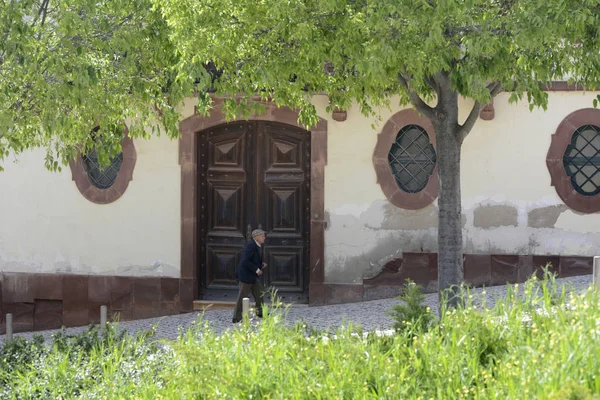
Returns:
(245, 289)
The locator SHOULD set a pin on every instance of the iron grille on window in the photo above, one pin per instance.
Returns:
(412, 158)
(582, 160)
(102, 179)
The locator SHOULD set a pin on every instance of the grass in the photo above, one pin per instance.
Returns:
(538, 343)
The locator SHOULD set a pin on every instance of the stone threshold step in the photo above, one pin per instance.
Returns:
(201, 305)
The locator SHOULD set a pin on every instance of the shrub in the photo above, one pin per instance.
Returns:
(93, 364)
(411, 316)
(540, 342)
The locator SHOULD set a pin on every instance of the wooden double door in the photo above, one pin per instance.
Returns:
(254, 175)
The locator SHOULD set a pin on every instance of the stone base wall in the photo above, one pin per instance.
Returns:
(479, 270)
(49, 301)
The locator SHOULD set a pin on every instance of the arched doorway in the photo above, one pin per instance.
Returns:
(267, 171)
(254, 174)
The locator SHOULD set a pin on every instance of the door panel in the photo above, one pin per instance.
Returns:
(286, 265)
(254, 175)
(223, 261)
(222, 199)
(283, 218)
(285, 202)
(228, 210)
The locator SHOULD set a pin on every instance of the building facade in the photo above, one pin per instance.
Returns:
(349, 206)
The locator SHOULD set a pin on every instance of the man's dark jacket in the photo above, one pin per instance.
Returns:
(251, 261)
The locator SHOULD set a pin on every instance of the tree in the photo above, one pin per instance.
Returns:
(426, 51)
(69, 66)
(104, 61)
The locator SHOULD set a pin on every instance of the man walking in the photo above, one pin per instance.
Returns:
(248, 271)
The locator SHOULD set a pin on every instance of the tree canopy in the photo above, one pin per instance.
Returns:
(66, 67)
(367, 51)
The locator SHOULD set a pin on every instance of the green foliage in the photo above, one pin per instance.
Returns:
(18, 354)
(376, 50)
(540, 342)
(93, 364)
(412, 315)
(574, 391)
(66, 67)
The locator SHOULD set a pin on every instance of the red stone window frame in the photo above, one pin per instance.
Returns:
(125, 175)
(554, 161)
(385, 177)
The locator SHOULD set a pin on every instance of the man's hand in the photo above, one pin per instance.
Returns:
(259, 272)
(264, 265)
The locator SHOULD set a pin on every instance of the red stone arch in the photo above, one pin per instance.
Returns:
(125, 175)
(188, 146)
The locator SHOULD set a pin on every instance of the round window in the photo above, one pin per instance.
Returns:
(105, 185)
(405, 160)
(412, 159)
(573, 160)
(582, 160)
(102, 178)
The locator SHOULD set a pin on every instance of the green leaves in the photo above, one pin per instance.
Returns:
(284, 48)
(67, 67)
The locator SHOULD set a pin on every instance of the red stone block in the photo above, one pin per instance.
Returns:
(146, 297)
(17, 288)
(99, 289)
(343, 293)
(504, 269)
(48, 314)
(574, 266)
(540, 262)
(391, 274)
(186, 294)
(477, 269)
(22, 315)
(525, 270)
(415, 266)
(47, 286)
(316, 294)
(121, 293)
(433, 267)
(169, 289)
(75, 300)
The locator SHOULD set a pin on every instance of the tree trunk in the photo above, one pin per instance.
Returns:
(450, 250)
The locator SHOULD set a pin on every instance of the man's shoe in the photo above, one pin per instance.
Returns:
(235, 321)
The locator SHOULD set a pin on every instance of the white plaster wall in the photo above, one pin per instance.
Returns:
(46, 225)
(507, 159)
(503, 163)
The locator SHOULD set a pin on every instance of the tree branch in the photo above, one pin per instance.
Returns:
(415, 99)
(465, 128)
(44, 8)
(494, 88)
(42, 11)
(442, 81)
(431, 82)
